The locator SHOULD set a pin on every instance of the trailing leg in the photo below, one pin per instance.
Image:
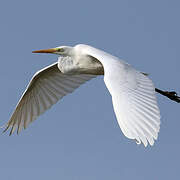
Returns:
(170, 94)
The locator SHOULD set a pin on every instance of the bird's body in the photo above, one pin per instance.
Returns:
(133, 93)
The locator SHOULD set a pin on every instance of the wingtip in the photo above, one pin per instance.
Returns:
(6, 128)
(151, 143)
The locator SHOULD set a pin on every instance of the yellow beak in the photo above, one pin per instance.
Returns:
(52, 50)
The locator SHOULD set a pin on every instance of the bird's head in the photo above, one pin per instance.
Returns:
(61, 50)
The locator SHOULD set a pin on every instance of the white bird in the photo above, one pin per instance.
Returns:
(133, 93)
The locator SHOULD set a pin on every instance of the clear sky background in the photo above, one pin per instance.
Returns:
(79, 138)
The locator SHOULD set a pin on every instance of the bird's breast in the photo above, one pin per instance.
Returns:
(66, 65)
(80, 65)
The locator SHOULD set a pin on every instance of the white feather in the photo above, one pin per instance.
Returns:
(45, 89)
(133, 97)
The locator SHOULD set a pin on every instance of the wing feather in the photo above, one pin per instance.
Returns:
(133, 97)
(45, 89)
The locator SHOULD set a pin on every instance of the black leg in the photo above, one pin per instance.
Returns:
(170, 94)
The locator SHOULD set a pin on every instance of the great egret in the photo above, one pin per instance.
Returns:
(133, 93)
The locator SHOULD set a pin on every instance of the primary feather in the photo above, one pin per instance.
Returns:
(46, 87)
(133, 97)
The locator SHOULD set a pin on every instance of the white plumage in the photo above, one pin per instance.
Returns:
(133, 93)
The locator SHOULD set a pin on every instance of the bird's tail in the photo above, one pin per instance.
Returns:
(170, 94)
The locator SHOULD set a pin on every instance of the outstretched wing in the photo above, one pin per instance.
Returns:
(45, 88)
(133, 97)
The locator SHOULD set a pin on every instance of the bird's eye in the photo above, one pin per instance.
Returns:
(60, 50)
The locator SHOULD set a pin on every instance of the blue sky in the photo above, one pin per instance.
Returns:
(79, 138)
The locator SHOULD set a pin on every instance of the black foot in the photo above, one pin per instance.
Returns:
(170, 94)
(173, 96)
